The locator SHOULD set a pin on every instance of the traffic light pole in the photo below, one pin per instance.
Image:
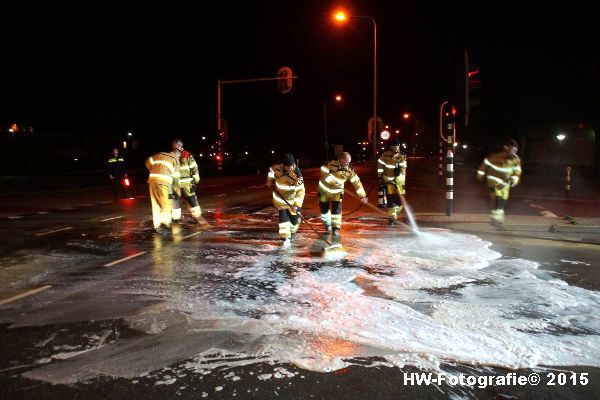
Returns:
(451, 133)
(326, 133)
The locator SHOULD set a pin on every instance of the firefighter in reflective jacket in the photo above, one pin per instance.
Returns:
(391, 171)
(334, 175)
(502, 170)
(289, 187)
(117, 171)
(188, 179)
(163, 183)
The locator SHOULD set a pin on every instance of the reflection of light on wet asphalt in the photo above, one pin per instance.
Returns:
(53, 231)
(408, 300)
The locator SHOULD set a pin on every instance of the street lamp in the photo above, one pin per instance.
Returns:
(561, 137)
(406, 116)
(338, 99)
(340, 17)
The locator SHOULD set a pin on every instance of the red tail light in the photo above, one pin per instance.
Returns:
(126, 182)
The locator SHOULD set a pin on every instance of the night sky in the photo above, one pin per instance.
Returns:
(107, 68)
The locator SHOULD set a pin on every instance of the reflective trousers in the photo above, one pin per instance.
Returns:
(161, 204)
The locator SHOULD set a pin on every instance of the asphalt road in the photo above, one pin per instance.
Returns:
(83, 289)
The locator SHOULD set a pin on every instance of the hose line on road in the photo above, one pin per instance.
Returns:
(362, 204)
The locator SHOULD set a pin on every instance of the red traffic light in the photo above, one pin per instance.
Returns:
(218, 157)
(284, 84)
(126, 182)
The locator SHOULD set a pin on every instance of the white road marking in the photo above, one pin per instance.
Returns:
(108, 219)
(190, 235)
(28, 293)
(221, 195)
(14, 216)
(56, 230)
(124, 259)
(541, 209)
(549, 214)
(43, 212)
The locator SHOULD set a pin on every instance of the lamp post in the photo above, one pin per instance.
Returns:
(338, 99)
(341, 17)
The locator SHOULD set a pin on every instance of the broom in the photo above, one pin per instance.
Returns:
(330, 248)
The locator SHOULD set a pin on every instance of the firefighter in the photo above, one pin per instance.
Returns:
(391, 171)
(117, 172)
(288, 196)
(502, 170)
(334, 175)
(163, 183)
(189, 178)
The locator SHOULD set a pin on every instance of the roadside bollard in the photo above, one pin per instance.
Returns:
(568, 181)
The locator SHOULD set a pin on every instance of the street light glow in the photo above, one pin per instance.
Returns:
(340, 16)
(464, 146)
(129, 134)
(203, 137)
(561, 137)
(397, 131)
(338, 97)
(406, 116)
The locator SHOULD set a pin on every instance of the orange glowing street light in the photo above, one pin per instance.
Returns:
(338, 97)
(340, 16)
(406, 116)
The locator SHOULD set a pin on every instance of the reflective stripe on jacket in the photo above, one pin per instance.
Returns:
(391, 167)
(333, 178)
(164, 169)
(500, 169)
(290, 185)
(188, 169)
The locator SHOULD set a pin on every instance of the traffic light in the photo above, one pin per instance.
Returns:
(284, 85)
(468, 83)
(473, 84)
